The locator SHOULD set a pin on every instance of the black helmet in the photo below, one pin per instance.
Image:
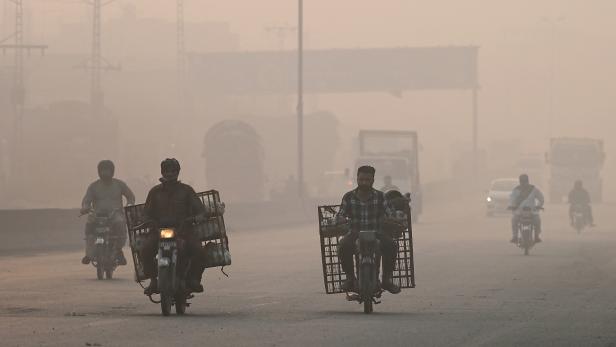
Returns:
(170, 163)
(106, 165)
(524, 179)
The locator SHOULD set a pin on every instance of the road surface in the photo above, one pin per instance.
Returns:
(473, 289)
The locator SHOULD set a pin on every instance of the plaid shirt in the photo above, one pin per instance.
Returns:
(365, 215)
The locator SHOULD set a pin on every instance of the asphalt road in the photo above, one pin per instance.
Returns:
(473, 289)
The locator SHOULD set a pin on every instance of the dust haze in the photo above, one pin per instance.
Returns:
(451, 101)
(544, 71)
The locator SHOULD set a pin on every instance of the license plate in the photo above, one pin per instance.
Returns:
(100, 241)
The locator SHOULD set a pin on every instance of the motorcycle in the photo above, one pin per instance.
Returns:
(171, 280)
(105, 254)
(367, 265)
(526, 229)
(172, 247)
(579, 218)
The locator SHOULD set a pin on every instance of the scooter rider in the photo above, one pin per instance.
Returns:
(103, 197)
(365, 209)
(173, 204)
(580, 197)
(525, 195)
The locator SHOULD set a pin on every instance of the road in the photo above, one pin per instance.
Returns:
(473, 289)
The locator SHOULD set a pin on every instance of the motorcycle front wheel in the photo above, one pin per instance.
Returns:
(367, 283)
(180, 304)
(100, 272)
(368, 306)
(165, 303)
(526, 236)
(109, 274)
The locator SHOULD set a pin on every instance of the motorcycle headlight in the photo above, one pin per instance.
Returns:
(489, 199)
(167, 233)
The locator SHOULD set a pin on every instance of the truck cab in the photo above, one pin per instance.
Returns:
(393, 153)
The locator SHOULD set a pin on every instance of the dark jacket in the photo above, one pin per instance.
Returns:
(579, 196)
(171, 204)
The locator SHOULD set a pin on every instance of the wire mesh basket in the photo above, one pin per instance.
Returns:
(212, 233)
(331, 233)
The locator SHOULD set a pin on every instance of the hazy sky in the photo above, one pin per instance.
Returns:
(531, 52)
(347, 23)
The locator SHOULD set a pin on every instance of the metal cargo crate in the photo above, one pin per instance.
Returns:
(330, 234)
(212, 233)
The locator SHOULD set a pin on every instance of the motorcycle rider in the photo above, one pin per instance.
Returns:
(173, 204)
(525, 195)
(103, 197)
(388, 185)
(365, 209)
(580, 197)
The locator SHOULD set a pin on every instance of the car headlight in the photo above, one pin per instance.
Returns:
(167, 233)
(489, 199)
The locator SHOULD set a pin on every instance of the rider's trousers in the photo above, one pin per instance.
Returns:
(346, 252)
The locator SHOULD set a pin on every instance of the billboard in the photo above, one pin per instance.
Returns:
(336, 70)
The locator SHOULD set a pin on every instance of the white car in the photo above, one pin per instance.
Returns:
(497, 200)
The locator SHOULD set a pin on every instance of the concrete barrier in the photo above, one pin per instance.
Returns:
(60, 229)
(40, 230)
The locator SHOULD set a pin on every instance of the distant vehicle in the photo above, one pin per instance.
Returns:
(105, 257)
(393, 153)
(579, 218)
(571, 159)
(234, 155)
(497, 200)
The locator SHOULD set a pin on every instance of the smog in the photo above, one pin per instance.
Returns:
(488, 126)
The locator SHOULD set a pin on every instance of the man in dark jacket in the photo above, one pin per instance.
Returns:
(579, 198)
(173, 204)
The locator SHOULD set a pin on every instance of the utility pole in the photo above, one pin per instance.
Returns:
(181, 56)
(18, 93)
(300, 99)
(181, 42)
(97, 63)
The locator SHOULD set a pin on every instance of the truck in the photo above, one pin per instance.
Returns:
(234, 157)
(572, 159)
(393, 153)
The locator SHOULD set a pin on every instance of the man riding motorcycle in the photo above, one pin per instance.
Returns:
(525, 195)
(103, 197)
(365, 209)
(580, 197)
(173, 204)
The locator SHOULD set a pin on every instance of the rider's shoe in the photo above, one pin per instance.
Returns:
(390, 286)
(85, 260)
(121, 260)
(349, 284)
(514, 239)
(195, 286)
(537, 239)
(152, 288)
